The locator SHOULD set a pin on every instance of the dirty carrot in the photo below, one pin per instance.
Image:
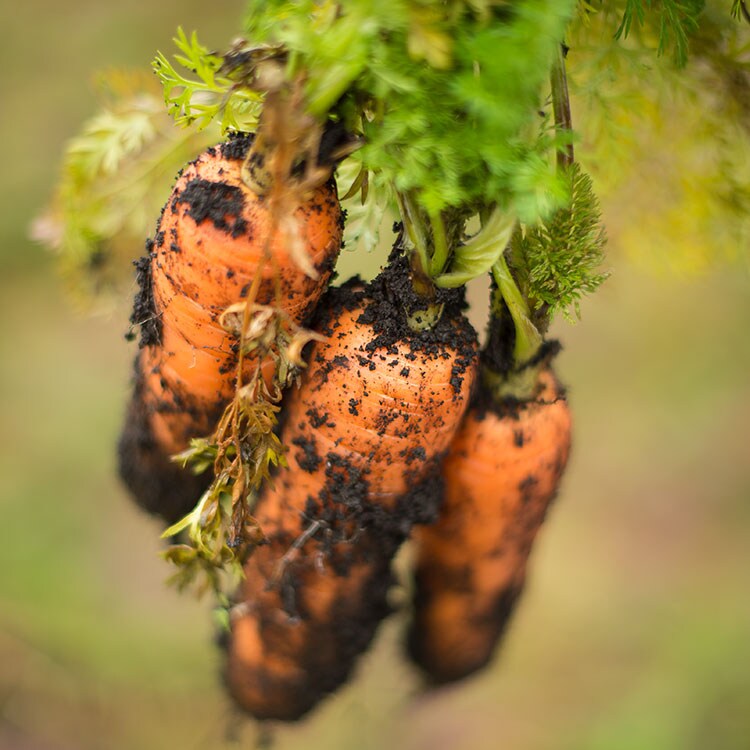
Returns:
(501, 474)
(505, 465)
(214, 239)
(378, 406)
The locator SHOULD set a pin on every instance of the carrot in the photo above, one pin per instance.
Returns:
(377, 407)
(501, 474)
(213, 238)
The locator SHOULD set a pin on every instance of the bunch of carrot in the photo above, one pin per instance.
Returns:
(378, 408)
(398, 426)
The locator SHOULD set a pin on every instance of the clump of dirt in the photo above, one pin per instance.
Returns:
(218, 202)
(235, 148)
(392, 301)
(157, 484)
(144, 312)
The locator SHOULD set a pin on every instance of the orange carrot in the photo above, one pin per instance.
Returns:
(501, 474)
(377, 407)
(214, 237)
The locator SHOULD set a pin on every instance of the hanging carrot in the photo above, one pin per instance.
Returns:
(214, 238)
(501, 474)
(377, 407)
(505, 465)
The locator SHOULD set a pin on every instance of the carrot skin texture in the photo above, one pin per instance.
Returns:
(366, 429)
(208, 248)
(501, 473)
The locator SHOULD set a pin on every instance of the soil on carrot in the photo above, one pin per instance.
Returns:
(217, 202)
(331, 653)
(224, 204)
(393, 300)
(332, 644)
(144, 309)
(390, 300)
(497, 355)
(344, 511)
(485, 402)
(236, 146)
(159, 485)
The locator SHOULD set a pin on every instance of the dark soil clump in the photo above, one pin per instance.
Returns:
(157, 484)
(218, 202)
(144, 309)
(393, 301)
(236, 147)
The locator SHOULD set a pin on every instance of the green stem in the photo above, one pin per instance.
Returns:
(440, 253)
(415, 228)
(292, 65)
(528, 338)
(520, 381)
(476, 256)
(561, 107)
(422, 282)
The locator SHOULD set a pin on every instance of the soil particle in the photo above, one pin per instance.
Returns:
(367, 362)
(527, 488)
(236, 147)
(217, 202)
(307, 457)
(317, 419)
(341, 361)
(144, 309)
(415, 454)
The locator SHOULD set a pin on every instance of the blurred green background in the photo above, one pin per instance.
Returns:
(635, 629)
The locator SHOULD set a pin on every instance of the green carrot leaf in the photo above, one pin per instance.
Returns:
(477, 256)
(202, 93)
(562, 254)
(115, 175)
(674, 20)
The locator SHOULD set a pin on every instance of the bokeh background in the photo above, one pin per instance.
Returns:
(635, 629)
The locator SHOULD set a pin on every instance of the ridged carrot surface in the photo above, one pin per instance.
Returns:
(501, 474)
(366, 430)
(211, 241)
